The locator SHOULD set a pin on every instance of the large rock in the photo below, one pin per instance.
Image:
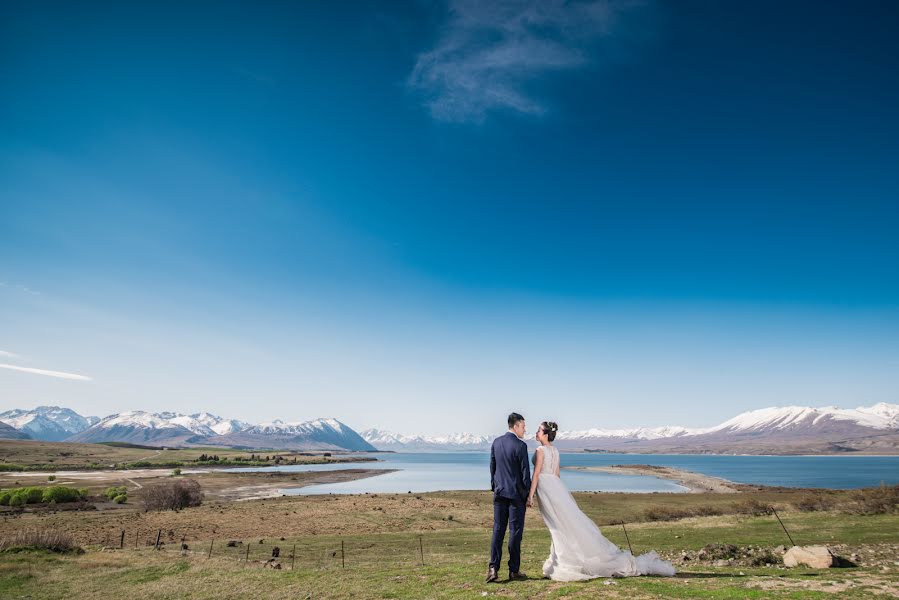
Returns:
(816, 557)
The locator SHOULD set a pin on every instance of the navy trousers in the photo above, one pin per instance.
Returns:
(507, 512)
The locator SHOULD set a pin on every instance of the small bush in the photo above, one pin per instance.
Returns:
(876, 501)
(721, 551)
(53, 540)
(176, 472)
(26, 495)
(173, 495)
(120, 499)
(665, 513)
(4, 498)
(112, 492)
(752, 507)
(661, 513)
(765, 558)
(60, 493)
(51, 478)
(814, 503)
(707, 511)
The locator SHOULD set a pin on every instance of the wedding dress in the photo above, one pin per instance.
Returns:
(579, 551)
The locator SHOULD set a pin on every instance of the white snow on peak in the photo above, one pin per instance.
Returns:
(380, 437)
(193, 424)
(298, 427)
(637, 433)
(46, 418)
(879, 416)
(136, 418)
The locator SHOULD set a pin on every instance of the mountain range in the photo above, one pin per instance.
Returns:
(53, 423)
(777, 430)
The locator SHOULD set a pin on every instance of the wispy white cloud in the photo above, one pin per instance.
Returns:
(27, 290)
(488, 52)
(6, 354)
(45, 372)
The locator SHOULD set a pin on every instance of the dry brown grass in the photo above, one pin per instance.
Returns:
(54, 540)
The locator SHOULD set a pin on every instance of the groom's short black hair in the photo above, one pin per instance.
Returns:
(514, 418)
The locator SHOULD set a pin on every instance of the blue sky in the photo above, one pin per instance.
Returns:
(421, 216)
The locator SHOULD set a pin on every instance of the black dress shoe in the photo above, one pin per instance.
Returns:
(491, 575)
(517, 576)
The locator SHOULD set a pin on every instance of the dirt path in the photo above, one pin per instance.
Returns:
(696, 483)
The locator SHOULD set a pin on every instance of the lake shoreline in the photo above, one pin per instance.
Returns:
(695, 483)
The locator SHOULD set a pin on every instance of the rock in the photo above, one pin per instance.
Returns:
(816, 557)
(721, 563)
(780, 549)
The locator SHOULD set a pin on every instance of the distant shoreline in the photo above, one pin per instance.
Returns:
(696, 483)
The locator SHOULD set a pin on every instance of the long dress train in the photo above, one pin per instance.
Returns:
(579, 550)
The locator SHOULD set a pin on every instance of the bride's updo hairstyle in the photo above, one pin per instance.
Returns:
(550, 429)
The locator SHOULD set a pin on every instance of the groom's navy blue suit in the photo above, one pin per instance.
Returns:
(510, 480)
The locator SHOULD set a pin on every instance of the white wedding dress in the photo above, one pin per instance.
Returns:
(579, 551)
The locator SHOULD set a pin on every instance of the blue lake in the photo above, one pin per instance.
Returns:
(428, 472)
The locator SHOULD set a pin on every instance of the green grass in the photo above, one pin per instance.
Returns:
(389, 565)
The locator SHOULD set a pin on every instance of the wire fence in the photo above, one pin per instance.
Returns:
(310, 552)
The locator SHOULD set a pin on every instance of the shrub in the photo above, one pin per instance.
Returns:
(51, 478)
(112, 492)
(765, 558)
(707, 511)
(752, 507)
(876, 501)
(173, 495)
(121, 499)
(60, 493)
(176, 472)
(4, 498)
(814, 503)
(26, 495)
(665, 513)
(721, 551)
(53, 540)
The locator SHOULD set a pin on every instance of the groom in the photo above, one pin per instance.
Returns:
(510, 480)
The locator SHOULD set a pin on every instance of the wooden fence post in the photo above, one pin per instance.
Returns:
(421, 549)
(342, 555)
(247, 559)
(122, 541)
(293, 557)
(210, 548)
(136, 538)
(158, 534)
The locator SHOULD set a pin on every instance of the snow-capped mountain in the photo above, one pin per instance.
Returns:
(136, 427)
(879, 416)
(386, 440)
(776, 430)
(8, 432)
(222, 426)
(638, 433)
(50, 423)
(779, 430)
(320, 434)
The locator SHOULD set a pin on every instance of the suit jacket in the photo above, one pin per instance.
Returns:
(510, 471)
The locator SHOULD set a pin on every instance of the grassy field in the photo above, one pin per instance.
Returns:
(432, 546)
(51, 456)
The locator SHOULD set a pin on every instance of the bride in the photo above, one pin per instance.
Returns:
(579, 551)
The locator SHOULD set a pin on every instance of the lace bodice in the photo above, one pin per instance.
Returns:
(550, 459)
